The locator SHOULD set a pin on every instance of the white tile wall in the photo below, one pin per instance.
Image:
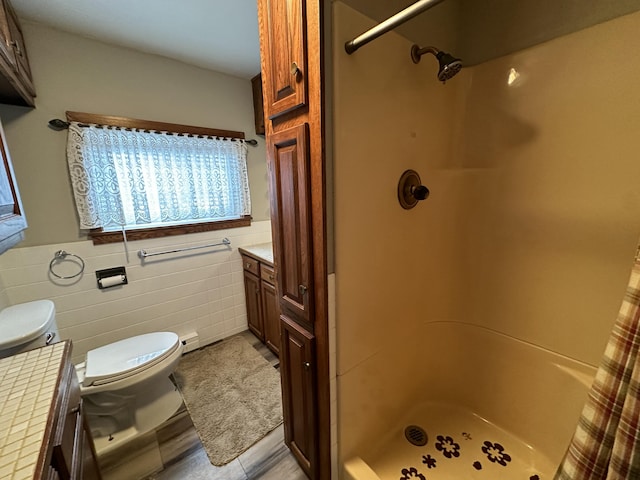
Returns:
(199, 291)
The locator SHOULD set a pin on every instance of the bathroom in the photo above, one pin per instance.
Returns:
(530, 228)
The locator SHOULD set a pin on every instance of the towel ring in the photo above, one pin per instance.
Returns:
(62, 255)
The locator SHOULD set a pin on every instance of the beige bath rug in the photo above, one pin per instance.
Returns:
(233, 396)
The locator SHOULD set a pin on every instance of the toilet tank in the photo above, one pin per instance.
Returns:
(26, 326)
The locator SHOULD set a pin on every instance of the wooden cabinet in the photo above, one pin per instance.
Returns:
(291, 65)
(270, 310)
(16, 82)
(69, 447)
(12, 219)
(254, 304)
(297, 376)
(262, 303)
(290, 215)
(283, 35)
(258, 103)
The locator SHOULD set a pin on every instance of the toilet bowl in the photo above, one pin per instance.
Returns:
(125, 385)
(128, 362)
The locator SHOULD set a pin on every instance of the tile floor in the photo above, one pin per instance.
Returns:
(183, 456)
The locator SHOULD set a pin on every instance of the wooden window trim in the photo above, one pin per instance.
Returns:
(124, 122)
(100, 237)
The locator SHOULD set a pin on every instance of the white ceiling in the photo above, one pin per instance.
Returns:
(219, 35)
(222, 35)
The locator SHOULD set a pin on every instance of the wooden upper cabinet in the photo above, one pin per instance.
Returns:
(19, 49)
(283, 45)
(290, 210)
(16, 82)
(258, 104)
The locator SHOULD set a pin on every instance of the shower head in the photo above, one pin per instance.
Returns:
(449, 65)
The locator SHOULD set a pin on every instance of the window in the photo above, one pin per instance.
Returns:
(154, 179)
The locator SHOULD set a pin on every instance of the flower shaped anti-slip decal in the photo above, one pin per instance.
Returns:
(429, 461)
(447, 446)
(471, 463)
(409, 473)
(495, 453)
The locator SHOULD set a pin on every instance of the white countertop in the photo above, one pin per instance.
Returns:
(27, 387)
(262, 250)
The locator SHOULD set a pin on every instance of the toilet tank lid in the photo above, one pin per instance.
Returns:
(128, 355)
(24, 322)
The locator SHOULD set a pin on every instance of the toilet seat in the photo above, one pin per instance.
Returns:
(126, 358)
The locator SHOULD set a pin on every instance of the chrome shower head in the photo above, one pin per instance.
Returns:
(449, 65)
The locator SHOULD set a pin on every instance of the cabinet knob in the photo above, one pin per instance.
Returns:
(295, 69)
(247, 266)
(306, 365)
(16, 45)
(302, 289)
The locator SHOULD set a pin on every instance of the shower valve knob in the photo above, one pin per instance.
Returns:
(411, 190)
(420, 192)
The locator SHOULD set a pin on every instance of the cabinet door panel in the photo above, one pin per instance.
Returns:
(254, 308)
(271, 316)
(285, 85)
(289, 183)
(298, 393)
(20, 51)
(12, 220)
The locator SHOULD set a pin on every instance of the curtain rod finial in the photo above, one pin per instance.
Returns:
(57, 124)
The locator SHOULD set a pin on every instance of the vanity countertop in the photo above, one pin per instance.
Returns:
(28, 384)
(262, 251)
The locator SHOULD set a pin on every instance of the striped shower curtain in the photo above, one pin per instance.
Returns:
(606, 443)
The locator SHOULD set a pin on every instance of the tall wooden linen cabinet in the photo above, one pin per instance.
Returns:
(290, 48)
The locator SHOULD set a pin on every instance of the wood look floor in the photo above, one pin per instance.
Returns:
(184, 457)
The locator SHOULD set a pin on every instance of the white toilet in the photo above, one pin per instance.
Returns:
(125, 385)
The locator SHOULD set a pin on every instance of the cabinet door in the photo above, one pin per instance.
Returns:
(12, 220)
(298, 393)
(289, 183)
(254, 310)
(66, 455)
(6, 49)
(270, 316)
(283, 45)
(258, 103)
(20, 51)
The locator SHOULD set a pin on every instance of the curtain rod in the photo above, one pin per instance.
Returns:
(59, 125)
(389, 24)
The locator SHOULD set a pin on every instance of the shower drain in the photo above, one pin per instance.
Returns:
(416, 435)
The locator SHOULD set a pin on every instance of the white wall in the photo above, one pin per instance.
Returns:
(199, 291)
(78, 74)
(533, 218)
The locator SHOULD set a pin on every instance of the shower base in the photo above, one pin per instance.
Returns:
(460, 445)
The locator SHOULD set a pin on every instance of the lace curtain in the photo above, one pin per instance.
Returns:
(138, 178)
